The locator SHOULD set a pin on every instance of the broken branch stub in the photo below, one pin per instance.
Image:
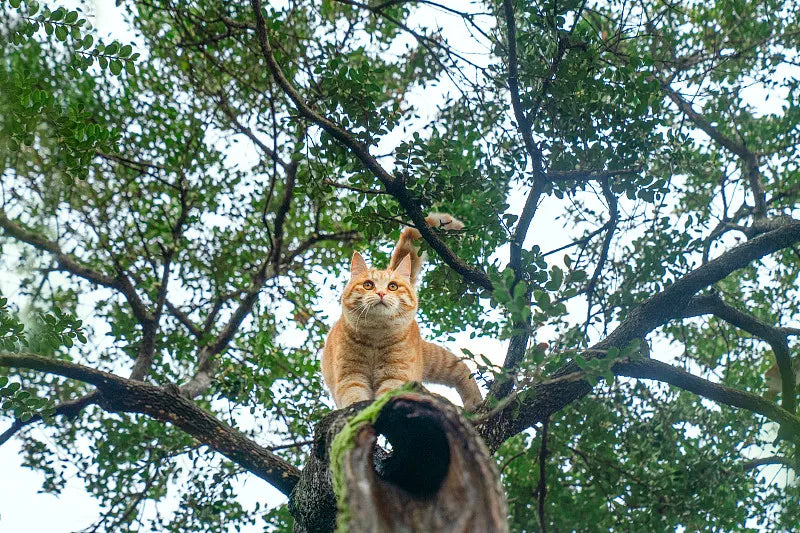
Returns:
(433, 473)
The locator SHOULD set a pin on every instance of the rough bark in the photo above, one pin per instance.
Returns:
(117, 394)
(438, 476)
(541, 401)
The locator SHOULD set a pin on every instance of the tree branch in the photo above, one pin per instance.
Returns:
(546, 399)
(70, 264)
(541, 488)
(748, 157)
(206, 359)
(118, 394)
(658, 371)
(588, 175)
(613, 211)
(777, 339)
(249, 133)
(391, 184)
(68, 409)
(770, 460)
(315, 238)
(334, 130)
(523, 124)
(65, 261)
(184, 319)
(519, 342)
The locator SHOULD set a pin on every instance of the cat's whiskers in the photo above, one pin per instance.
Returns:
(363, 308)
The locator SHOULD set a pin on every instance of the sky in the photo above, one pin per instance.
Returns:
(24, 509)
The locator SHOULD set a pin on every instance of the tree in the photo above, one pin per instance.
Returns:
(664, 135)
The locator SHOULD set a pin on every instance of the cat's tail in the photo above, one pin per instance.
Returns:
(446, 368)
(405, 245)
(773, 377)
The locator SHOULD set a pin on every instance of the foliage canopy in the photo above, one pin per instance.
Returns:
(193, 196)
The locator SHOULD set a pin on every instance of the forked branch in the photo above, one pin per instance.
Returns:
(546, 399)
(776, 337)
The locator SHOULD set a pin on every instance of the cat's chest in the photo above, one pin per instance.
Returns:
(379, 344)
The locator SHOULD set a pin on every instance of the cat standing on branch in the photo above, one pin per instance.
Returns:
(376, 346)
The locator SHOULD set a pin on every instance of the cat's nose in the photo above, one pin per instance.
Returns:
(381, 294)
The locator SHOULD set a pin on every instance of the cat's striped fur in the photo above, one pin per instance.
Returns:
(376, 346)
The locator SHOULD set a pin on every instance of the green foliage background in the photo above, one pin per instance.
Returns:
(132, 156)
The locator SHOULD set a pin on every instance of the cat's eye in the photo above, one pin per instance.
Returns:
(368, 285)
(393, 286)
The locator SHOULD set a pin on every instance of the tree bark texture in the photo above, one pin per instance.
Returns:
(435, 473)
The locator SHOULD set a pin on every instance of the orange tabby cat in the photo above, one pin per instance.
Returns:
(376, 346)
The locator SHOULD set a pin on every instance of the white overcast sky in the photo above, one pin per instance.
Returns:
(24, 509)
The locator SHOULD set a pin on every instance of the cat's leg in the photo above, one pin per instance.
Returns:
(443, 366)
(352, 388)
(397, 369)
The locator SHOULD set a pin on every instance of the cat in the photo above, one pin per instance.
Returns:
(376, 346)
(773, 378)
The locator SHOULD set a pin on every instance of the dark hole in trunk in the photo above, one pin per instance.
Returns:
(420, 452)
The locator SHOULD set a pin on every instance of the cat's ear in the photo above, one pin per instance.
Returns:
(404, 268)
(357, 265)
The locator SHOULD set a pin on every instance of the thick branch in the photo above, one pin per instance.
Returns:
(551, 397)
(118, 394)
(658, 371)
(545, 400)
(670, 302)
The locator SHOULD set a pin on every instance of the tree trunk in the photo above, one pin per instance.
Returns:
(436, 475)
